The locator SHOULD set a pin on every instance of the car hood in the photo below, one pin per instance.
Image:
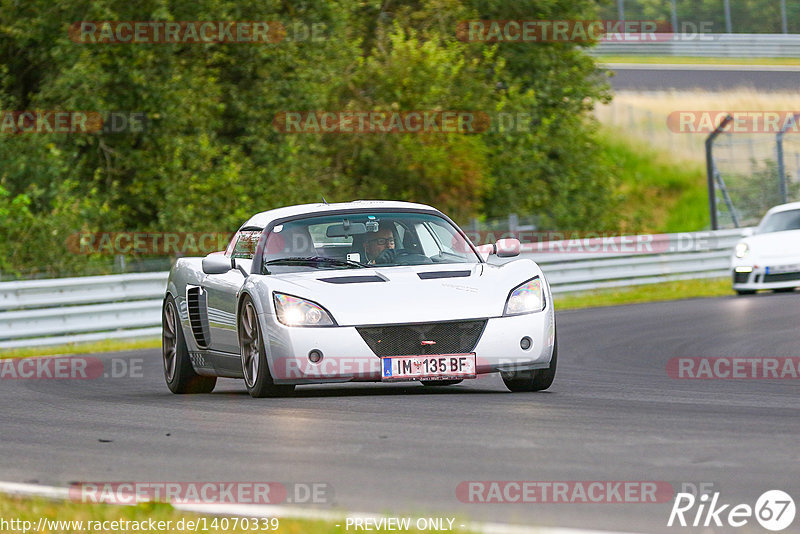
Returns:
(479, 290)
(774, 245)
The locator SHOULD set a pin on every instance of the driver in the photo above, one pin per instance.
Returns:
(376, 246)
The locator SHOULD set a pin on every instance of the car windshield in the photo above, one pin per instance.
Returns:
(780, 222)
(365, 239)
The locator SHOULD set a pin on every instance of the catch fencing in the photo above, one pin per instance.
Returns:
(94, 308)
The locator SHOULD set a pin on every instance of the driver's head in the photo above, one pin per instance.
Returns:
(378, 242)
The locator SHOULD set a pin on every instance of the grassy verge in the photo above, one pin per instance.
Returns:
(32, 509)
(109, 345)
(682, 60)
(661, 195)
(679, 289)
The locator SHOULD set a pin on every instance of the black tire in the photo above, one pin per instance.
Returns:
(742, 292)
(535, 380)
(257, 377)
(178, 371)
(441, 382)
(784, 290)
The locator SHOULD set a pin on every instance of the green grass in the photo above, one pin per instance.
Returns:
(675, 290)
(110, 345)
(660, 194)
(681, 60)
(32, 509)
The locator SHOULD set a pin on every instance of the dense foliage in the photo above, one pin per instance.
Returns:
(210, 155)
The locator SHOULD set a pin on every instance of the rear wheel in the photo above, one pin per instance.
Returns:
(257, 377)
(745, 291)
(178, 370)
(534, 380)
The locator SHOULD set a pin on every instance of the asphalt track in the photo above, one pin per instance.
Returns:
(638, 77)
(613, 414)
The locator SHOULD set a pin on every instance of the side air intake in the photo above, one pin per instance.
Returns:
(198, 315)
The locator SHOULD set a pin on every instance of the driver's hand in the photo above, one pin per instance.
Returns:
(387, 256)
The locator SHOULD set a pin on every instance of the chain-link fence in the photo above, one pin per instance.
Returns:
(747, 177)
(711, 16)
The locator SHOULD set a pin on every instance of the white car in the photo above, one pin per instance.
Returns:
(769, 256)
(372, 291)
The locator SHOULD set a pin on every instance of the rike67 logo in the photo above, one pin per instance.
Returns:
(774, 510)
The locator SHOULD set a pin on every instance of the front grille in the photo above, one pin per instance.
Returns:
(740, 278)
(452, 337)
(781, 277)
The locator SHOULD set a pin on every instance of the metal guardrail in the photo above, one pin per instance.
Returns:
(70, 310)
(627, 261)
(87, 308)
(707, 45)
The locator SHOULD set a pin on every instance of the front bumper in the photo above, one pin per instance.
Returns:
(784, 273)
(347, 357)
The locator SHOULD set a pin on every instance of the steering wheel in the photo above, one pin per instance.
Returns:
(390, 255)
(401, 257)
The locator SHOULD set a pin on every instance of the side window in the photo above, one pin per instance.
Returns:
(246, 242)
(429, 246)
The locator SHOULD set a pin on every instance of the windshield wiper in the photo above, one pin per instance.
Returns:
(315, 260)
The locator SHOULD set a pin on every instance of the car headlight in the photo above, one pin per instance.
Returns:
(294, 311)
(525, 298)
(741, 250)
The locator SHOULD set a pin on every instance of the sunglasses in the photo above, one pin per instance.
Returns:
(383, 241)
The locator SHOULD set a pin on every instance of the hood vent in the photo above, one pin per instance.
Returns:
(352, 279)
(431, 275)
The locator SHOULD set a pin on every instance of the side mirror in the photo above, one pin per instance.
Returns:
(216, 264)
(507, 248)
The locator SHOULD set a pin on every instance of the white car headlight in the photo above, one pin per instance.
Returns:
(741, 250)
(525, 298)
(294, 311)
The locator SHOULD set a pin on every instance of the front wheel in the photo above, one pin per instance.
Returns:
(534, 380)
(178, 370)
(257, 377)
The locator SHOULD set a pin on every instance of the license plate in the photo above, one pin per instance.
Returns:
(438, 367)
(778, 269)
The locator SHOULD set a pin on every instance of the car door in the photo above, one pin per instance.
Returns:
(222, 291)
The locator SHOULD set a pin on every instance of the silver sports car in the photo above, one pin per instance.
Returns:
(362, 291)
